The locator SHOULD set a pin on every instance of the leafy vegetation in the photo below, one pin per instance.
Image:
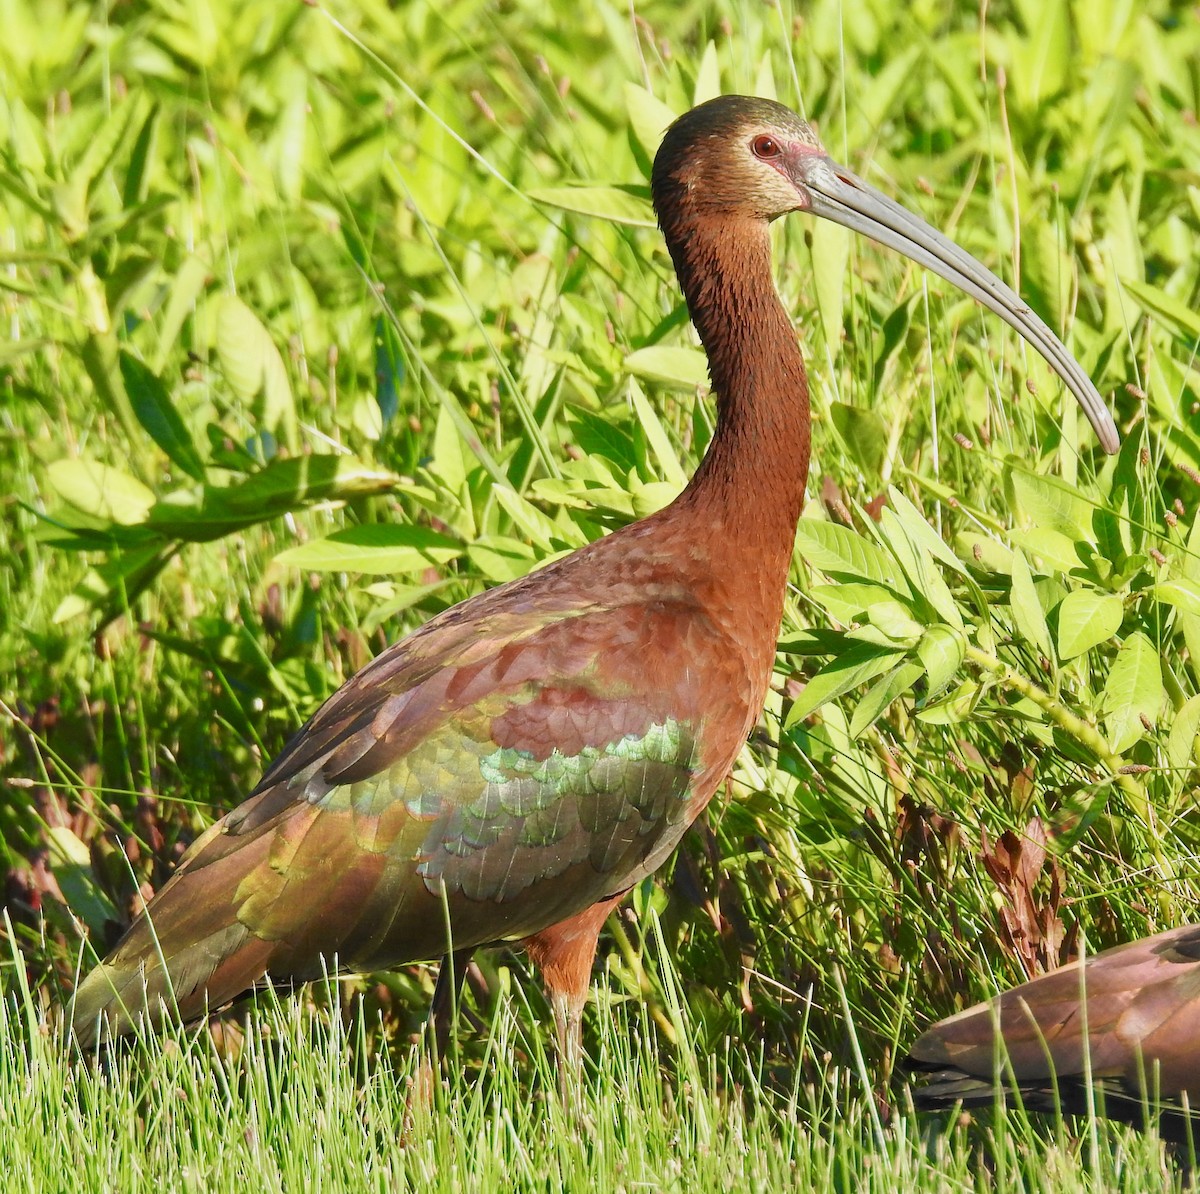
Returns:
(320, 319)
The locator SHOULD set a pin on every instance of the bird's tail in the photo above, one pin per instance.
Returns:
(186, 953)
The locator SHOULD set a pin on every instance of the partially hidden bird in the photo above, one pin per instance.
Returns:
(507, 772)
(1125, 1022)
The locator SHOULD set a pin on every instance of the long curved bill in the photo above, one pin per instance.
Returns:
(836, 194)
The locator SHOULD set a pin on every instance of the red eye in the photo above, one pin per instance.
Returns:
(764, 146)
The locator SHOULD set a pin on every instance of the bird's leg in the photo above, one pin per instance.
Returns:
(440, 1023)
(446, 996)
(564, 953)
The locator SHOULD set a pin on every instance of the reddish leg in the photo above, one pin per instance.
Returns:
(564, 953)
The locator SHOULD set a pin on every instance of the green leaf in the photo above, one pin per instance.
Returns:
(953, 707)
(1054, 549)
(919, 531)
(1028, 615)
(1179, 317)
(254, 369)
(984, 552)
(850, 601)
(279, 487)
(656, 435)
(684, 367)
(924, 577)
(1134, 691)
(189, 281)
(154, 409)
(881, 694)
(837, 550)
(500, 558)
(863, 433)
(708, 76)
(1086, 619)
(895, 621)
(71, 862)
(100, 490)
(1046, 502)
(941, 650)
(1042, 59)
(379, 549)
(830, 248)
(449, 460)
(540, 530)
(1181, 745)
(860, 663)
(113, 585)
(1183, 594)
(649, 118)
(616, 204)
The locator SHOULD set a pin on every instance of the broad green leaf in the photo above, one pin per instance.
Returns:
(764, 78)
(1190, 625)
(925, 579)
(860, 663)
(615, 204)
(449, 459)
(708, 76)
(1181, 745)
(1048, 503)
(863, 433)
(1183, 594)
(953, 707)
(156, 412)
(830, 249)
(649, 117)
(279, 487)
(112, 586)
(684, 367)
(254, 369)
(378, 549)
(100, 490)
(1134, 691)
(919, 530)
(941, 650)
(1041, 59)
(849, 602)
(1179, 317)
(1086, 619)
(895, 622)
(185, 289)
(136, 188)
(1028, 615)
(540, 530)
(71, 862)
(881, 694)
(837, 550)
(500, 558)
(656, 435)
(1191, 553)
(1054, 549)
(984, 552)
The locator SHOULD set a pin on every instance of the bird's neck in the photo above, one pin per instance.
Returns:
(749, 490)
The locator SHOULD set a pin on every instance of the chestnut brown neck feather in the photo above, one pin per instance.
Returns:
(750, 486)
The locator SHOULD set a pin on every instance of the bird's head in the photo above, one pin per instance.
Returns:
(736, 156)
(736, 161)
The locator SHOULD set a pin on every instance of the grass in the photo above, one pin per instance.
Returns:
(320, 319)
(317, 1101)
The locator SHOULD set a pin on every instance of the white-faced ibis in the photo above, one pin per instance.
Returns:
(511, 769)
(1126, 1020)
